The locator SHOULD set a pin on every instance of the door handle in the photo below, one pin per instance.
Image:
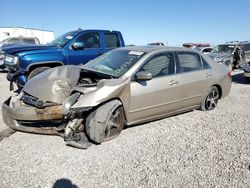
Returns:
(173, 82)
(207, 75)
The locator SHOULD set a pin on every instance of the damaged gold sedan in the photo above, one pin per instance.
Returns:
(92, 103)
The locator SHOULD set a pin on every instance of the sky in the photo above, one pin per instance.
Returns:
(140, 21)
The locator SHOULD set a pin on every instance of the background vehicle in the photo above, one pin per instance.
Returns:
(195, 45)
(121, 87)
(234, 54)
(246, 68)
(204, 50)
(44, 36)
(156, 43)
(15, 40)
(75, 47)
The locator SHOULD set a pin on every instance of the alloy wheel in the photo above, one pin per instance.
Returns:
(115, 124)
(212, 99)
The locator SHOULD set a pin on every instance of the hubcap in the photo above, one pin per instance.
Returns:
(114, 125)
(212, 99)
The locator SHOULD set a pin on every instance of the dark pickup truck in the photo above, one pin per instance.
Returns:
(75, 47)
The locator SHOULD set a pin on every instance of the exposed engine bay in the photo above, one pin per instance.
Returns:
(89, 79)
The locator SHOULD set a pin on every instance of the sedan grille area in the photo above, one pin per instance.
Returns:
(42, 124)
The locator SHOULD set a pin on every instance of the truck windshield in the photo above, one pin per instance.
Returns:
(62, 40)
(114, 63)
(224, 49)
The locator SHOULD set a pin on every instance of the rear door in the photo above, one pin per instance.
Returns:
(92, 49)
(159, 95)
(196, 76)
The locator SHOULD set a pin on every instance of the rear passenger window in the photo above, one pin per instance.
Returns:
(189, 61)
(29, 41)
(112, 40)
(205, 64)
(160, 65)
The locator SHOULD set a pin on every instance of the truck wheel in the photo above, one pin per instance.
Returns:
(211, 99)
(247, 79)
(37, 71)
(106, 122)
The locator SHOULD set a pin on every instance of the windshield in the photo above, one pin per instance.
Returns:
(224, 49)
(114, 63)
(62, 40)
(4, 40)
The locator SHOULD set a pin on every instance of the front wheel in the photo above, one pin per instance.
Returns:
(211, 99)
(106, 122)
(37, 71)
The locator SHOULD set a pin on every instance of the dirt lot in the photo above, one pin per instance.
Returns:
(195, 149)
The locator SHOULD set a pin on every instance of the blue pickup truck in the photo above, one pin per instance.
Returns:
(75, 47)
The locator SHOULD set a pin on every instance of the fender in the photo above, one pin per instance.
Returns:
(43, 63)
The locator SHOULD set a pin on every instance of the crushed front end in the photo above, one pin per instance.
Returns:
(44, 105)
(21, 116)
(29, 114)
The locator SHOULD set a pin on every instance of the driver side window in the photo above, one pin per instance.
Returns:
(160, 65)
(90, 40)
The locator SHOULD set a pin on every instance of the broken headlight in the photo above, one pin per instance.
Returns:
(69, 102)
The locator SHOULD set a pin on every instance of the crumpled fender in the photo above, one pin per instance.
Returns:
(104, 91)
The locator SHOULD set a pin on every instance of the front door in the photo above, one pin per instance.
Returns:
(92, 49)
(159, 95)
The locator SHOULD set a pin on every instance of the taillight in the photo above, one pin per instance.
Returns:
(229, 74)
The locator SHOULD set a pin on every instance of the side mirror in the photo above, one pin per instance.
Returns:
(143, 75)
(78, 45)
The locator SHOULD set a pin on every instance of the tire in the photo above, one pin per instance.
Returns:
(211, 99)
(247, 79)
(106, 122)
(37, 71)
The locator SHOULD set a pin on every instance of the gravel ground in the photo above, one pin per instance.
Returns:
(195, 149)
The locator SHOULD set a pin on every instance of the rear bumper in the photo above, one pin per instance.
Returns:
(226, 86)
(25, 118)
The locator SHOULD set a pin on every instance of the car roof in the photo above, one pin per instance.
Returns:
(152, 48)
(90, 30)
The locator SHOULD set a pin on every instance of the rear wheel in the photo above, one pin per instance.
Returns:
(211, 99)
(37, 71)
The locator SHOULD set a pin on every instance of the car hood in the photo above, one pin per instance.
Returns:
(16, 48)
(55, 85)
